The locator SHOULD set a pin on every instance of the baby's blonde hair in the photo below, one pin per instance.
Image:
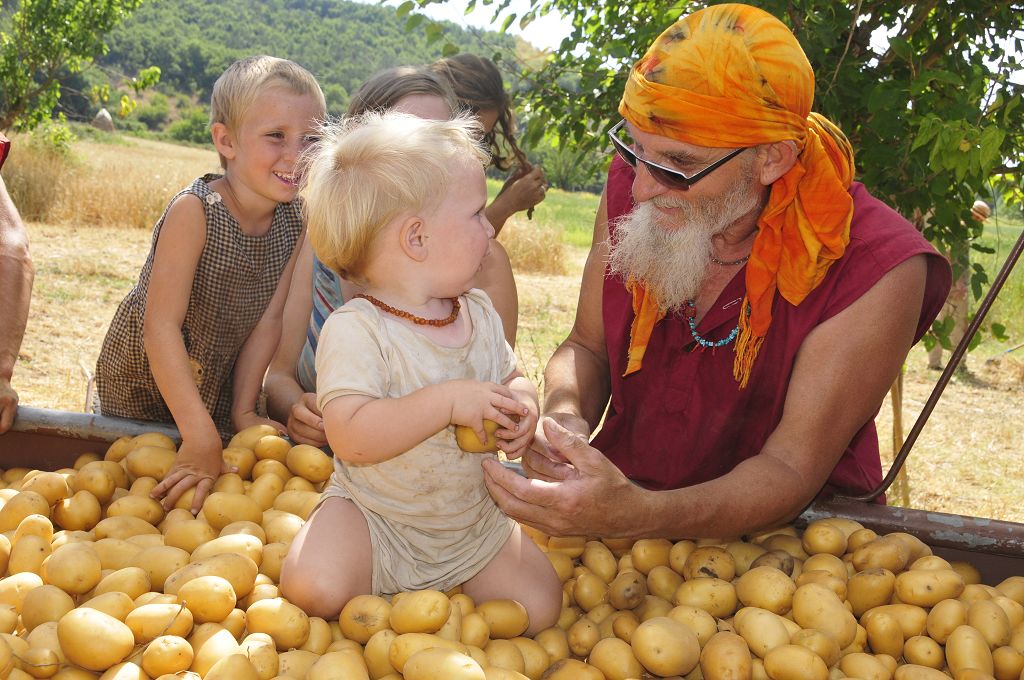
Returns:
(237, 88)
(370, 169)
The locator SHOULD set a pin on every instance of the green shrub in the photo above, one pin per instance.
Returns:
(194, 127)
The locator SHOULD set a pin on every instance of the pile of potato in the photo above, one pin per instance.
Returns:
(100, 582)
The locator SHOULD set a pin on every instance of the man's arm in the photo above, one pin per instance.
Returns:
(576, 382)
(16, 275)
(842, 373)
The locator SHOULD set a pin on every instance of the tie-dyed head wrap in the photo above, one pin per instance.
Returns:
(730, 76)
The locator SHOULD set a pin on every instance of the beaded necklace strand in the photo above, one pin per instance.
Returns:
(418, 320)
(691, 320)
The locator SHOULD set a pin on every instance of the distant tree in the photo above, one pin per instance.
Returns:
(42, 39)
(924, 89)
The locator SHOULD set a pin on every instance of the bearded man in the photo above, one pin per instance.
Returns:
(743, 311)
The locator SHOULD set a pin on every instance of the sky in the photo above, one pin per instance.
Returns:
(546, 32)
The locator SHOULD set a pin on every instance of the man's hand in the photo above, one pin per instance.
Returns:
(198, 465)
(591, 497)
(306, 423)
(543, 461)
(8, 405)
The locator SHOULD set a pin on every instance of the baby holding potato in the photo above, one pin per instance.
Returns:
(397, 203)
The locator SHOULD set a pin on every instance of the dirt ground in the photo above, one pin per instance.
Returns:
(966, 461)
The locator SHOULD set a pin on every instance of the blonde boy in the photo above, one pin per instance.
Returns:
(397, 203)
(191, 342)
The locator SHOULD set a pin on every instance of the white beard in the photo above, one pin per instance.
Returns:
(670, 256)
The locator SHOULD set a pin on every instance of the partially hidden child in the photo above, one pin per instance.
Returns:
(190, 343)
(397, 203)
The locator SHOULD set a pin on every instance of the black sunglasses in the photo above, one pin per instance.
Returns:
(667, 177)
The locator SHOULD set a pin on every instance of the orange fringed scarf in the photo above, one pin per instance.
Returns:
(729, 76)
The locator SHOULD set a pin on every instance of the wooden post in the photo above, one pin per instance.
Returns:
(900, 490)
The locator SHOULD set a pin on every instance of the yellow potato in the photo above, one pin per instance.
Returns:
(343, 664)
(572, 669)
(309, 462)
(130, 580)
(627, 590)
(467, 439)
(713, 595)
(295, 663)
(913, 619)
(870, 588)
(910, 671)
(241, 459)
(150, 461)
(150, 621)
(210, 643)
(762, 630)
(239, 571)
(697, 620)
(28, 553)
(221, 509)
(505, 618)
(167, 654)
(376, 651)
(789, 544)
(406, 645)
(921, 650)
(50, 485)
(615, 659)
(269, 466)
(535, 657)
(885, 634)
(573, 546)
(232, 667)
(238, 544)
(666, 647)
(248, 437)
(21, 506)
(582, 636)
(598, 558)
(709, 561)
(766, 588)
(264, 490)
(299, 503)
(45, 603)
(589, 590)
(743, 555)
(827, 562)
(116, 604)
(503, 654)
(776, 559)
(189, 534)
(822, 644)
(864, 666)
(209, 598)
(824, 537)
(14, 588)
(284, 622)
(475, 630)
(81, 511)
(663, 582)
(989, 619)
(272, 447)
(967, 648)
(229, 482)
(815, 606)
(648, 553)
(928, 587)
(123, 527)
(885, 553)
(725, 657)
(159, 562)
(441, 664)
(423, 611)
(282, 527)
(319, 638)
(42, 663)
(80, 629)
(1007, 662)
(793, 662)
(262, 653)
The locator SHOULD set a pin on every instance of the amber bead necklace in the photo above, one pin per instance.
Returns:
(418, 320)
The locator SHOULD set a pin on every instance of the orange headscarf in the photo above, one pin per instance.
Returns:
(730, 76)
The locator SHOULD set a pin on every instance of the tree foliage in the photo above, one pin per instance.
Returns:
(42, 39)
(925, 90)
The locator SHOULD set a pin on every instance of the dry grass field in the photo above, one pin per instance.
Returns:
(967, 460)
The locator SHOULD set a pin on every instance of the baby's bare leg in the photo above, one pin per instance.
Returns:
(329, 560)
(521, 572)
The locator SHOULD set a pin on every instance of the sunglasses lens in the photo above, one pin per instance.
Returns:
(667, 179)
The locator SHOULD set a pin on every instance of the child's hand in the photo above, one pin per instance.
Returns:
(514, 443)
(306, 423)
(198, 465)
(523, 190)
(474, 401)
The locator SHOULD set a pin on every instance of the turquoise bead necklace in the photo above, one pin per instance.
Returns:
(691, 319)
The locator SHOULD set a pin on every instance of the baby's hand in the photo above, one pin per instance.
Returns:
(473, 401)
(514, 443)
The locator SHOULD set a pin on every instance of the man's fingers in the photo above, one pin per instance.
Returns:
(569, 444)
(539, 466)
(520, 498)
(6, 418)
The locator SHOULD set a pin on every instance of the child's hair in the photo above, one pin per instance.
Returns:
(369, 169)
(385, 89)
(478, 85)
(237, 88)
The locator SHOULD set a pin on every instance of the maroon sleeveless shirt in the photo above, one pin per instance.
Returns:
(682, 418)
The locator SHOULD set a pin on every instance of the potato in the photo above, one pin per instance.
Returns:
(45, 603)
(221, 509)
(467, 439)
(582, 636)
(504, 654)
(475, 630)
(238, 570)
(913, 619)
(210, 643)
(423, 611)
(666, 647)
(81, 511)
(709, 561)
(319, 638)
(928, 587)
(787, 543)
(725, 657)
(167, 654)
(238, 544)
(80, 629)
(864, 666)
(573, 546)
(150, 621)
(123, 527)
(989, 619)
(21, 506)
(441, 664)
(589, 590)
(713, 595)
(229, 482)
(885, 634)
(967, 648)
(115, 604)
(284, 622)
(14, 588)
(648, 553)
(766, 588)
(815, 606)
(793, 662)
(571, 669)
(505, 618)
(309, 462)
(299, 503)
(376, 653)
(406, 645)
(50, 485)
(663, 582)
(28, 553)
(615, 659)
(915, 672)
(42, 663)
(921, 650)
(598, 558)
(824, 537)
(189, 534)
(885, 553)
(130, 580)
(232, 667)
(341, 664)
(822, 644)
(264, 490)
(295, 663)
(762, 630)
(776, 559)
(627, 590)
(208, 598)
(248, 437)
(150, 461)
(262, 653)
(870, 588)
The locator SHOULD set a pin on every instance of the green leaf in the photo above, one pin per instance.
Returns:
(508, 22)
(405, 8)
(991, 143)
(412, 22)
(999, 332)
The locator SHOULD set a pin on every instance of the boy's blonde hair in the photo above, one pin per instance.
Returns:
(237, 88)
(370, 169)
